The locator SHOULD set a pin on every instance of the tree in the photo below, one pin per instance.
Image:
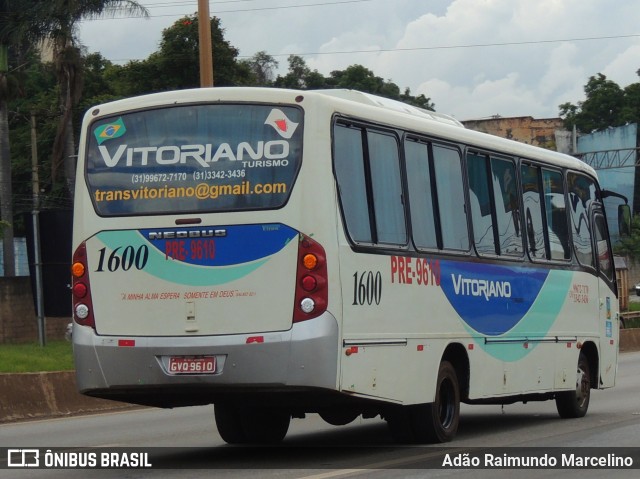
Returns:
(629, 246)
(604, 106)
(57, 21)
(261, 66)
(12, 31)
(300, 76)
(176, 64)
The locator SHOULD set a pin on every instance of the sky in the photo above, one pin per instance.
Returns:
(473, 58)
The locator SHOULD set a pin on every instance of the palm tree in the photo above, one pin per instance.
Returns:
(60, 19)
(54, 22)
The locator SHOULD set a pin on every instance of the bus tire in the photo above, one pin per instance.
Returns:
(229, 424)
(399, 421)
(438, 421)
(573, 404)
(265, 425)
(338, 417)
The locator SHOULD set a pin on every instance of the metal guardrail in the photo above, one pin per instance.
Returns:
(626, 316)
(609, 159)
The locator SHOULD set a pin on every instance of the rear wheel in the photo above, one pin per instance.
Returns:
(338, 416)
(433, 422)
(572, 404)
(438, 421)
(265, 425)
(240, 425)
(229, 424)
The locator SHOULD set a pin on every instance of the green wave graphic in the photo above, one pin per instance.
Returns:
(536, 323)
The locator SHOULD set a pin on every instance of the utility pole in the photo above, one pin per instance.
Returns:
(37, 256)
(206, 49)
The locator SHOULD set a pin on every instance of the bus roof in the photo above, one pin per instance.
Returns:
(356, 103)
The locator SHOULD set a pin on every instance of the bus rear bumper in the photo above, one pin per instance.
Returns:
(136, 369)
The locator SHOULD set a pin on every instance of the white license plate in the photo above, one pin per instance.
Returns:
(190, 365)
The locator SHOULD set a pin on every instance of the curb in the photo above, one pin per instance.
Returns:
(47, 394)
(54, 394)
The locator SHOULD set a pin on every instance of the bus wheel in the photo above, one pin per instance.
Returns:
(438, 421)
(572, 404)
(399, 420)
(229, 424)
(338, 416)
(265, 425)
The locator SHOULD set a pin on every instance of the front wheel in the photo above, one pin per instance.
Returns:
(572, 404)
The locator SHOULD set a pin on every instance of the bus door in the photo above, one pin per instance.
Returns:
(608, 313)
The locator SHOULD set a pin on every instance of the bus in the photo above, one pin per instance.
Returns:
(278, 253)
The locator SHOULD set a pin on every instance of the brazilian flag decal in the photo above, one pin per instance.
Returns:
(110, 131)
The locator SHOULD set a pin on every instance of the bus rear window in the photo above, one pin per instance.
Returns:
(194, 159)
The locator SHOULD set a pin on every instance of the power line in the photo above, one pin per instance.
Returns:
(215, 12)
(443, 47)
(470, 45)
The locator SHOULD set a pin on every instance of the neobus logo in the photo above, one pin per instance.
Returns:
(481, 287)
(208, 233)
(202, 154)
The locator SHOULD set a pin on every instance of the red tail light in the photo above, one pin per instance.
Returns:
(311, 281)
(81, 289)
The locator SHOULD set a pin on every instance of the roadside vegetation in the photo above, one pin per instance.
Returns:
(31, 357)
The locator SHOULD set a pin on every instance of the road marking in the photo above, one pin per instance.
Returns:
(366, 468)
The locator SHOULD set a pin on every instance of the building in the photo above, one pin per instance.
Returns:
(525, 129)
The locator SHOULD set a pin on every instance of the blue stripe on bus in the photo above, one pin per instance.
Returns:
(240, 243)
(503, 303)
(245, 249)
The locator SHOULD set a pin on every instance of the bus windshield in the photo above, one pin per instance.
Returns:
(194, 158)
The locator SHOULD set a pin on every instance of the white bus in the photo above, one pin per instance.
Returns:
(277, 253)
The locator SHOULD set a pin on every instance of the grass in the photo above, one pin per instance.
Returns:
(58, 356)
(31, 357)
(633, 307)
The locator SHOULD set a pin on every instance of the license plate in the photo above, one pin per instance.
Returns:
(190, 365)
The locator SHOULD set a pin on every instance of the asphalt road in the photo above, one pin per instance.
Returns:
(316, 450)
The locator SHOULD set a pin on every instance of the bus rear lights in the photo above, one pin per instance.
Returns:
(310, 261)
(79, 290)
(311, 289)
(309, 283)
(307, 305)
(77, 270)
(82, 311)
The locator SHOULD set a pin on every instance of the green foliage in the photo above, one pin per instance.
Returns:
(175, 65)
(3, 225)
(606, 105)
(629, 246)
(355, 77)
(28, 358)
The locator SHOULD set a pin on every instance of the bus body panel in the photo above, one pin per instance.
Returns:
(132, 369)
(393, 311)
(201, 280)
(523, 326)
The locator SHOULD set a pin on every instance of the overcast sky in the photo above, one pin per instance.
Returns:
(473, 58)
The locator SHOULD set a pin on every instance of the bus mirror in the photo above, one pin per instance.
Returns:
(624, 220)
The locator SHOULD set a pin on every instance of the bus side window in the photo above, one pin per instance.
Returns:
(350, 173)
(533, 212)
(605, 257)
(386, 187)
(582, 193)
(556, 214)
(507, 206)
(420, 194)
(367, 165)
(453, 221)
(481, 208)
